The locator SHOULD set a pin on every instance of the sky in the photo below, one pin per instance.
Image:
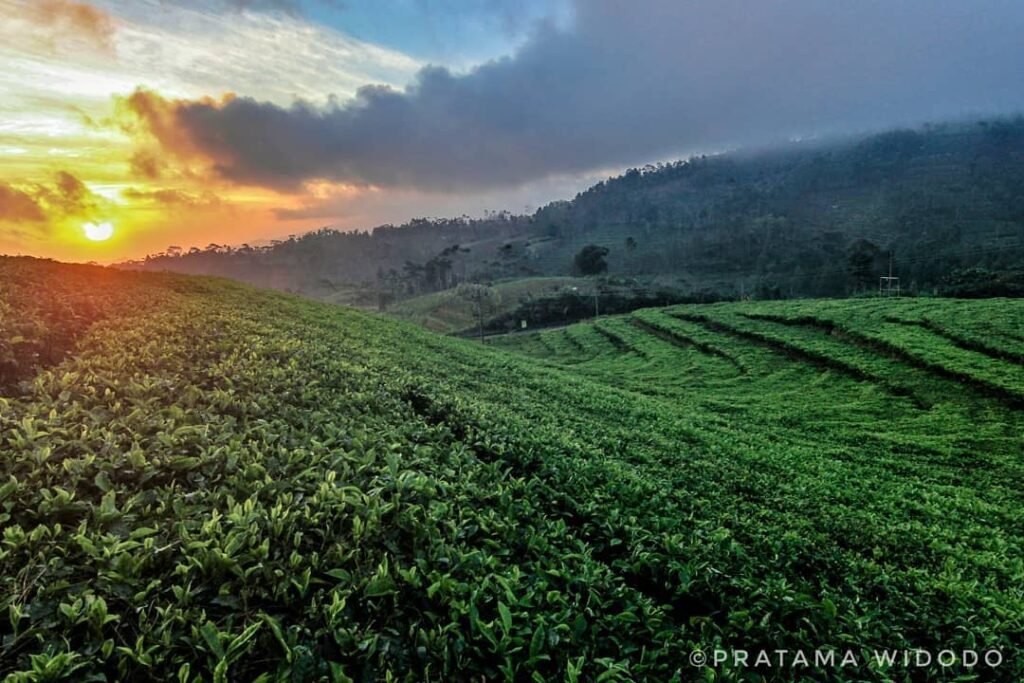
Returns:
(191, 122)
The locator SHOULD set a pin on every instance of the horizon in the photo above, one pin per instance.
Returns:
(263, 243)
(132, 127)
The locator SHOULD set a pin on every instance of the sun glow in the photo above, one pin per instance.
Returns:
(98, 232)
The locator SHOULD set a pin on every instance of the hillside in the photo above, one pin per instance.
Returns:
(785, 222)
(447, 312)
(205, 481)
(536, 301)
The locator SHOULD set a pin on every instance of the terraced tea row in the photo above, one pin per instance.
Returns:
(234, 484)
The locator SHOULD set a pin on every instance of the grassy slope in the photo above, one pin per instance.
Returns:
(443, 312)
(230, 482)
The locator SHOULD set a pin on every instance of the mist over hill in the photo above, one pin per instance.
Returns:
(817, 218)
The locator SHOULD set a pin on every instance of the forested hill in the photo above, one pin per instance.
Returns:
(813, 218)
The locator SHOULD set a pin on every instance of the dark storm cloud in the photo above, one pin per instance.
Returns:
(627, 82)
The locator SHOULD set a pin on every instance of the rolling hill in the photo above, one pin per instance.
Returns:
(205, 481)
(446, 312)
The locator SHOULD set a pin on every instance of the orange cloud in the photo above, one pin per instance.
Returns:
(68, 195)
(171, 197)
(147, 163)
(57, 22)
(17, 206)
(164, 146)
(37, 203)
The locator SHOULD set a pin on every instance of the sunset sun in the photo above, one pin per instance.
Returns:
(98, 232)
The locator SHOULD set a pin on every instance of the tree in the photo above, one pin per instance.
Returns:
(861, 261)
(507, 259)
(591, 260)
(630, 250)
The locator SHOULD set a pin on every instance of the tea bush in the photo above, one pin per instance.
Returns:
(216, 483)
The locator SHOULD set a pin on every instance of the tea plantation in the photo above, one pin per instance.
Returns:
(200, 481)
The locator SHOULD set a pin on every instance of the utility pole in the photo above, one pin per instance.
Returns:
(890, 274)
(597, 312)
(889, 279)
(475, 293)
(480, 314)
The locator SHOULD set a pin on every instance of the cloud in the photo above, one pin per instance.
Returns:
(173, 197)
(17, 206)
(68, 195)
(162, 147)
(290, 7)
(54, 25)
(65, 196)
(625, 83)
(80, 17)
(347, 207)
(275, 56)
